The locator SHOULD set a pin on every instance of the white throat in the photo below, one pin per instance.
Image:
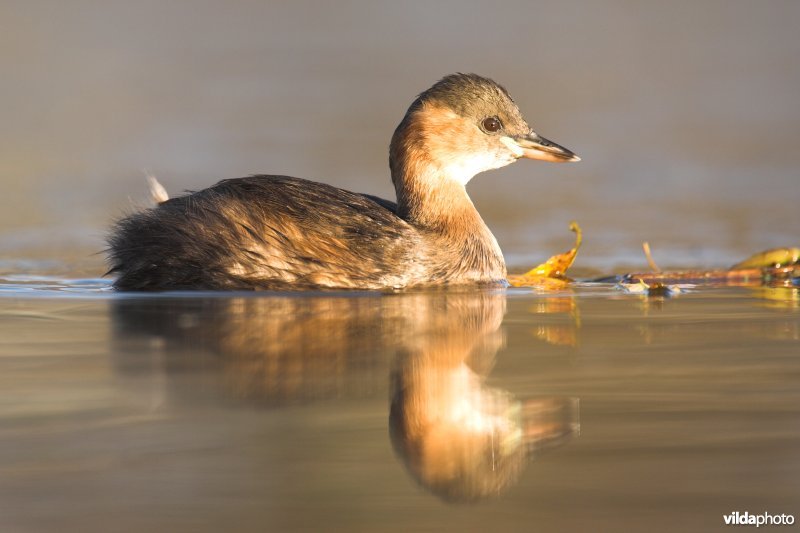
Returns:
(464, 169)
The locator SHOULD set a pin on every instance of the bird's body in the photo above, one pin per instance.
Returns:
(267, 232)
(278, 232)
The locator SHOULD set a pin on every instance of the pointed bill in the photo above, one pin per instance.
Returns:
(534, 146)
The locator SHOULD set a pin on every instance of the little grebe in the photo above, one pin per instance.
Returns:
(278, 232)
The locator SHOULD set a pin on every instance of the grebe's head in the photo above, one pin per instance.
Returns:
(463, 125)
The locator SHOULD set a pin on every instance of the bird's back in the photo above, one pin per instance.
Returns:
(264, 232)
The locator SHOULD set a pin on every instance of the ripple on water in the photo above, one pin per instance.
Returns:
(30, 285)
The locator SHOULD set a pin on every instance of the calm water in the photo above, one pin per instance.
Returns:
(588, 410)
(585, 410)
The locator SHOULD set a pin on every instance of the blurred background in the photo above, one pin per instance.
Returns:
(685, 114)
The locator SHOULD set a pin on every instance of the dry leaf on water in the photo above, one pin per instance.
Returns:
(774, 258)
(551, 275)
(779, 267)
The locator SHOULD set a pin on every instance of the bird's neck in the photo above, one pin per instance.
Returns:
(428, 197)
(434, 200)
(429, 171)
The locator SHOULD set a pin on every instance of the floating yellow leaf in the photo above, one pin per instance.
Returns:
(774, 258)
(557, 266)
(551, 274)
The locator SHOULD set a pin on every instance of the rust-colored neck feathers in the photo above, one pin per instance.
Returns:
(431, 160)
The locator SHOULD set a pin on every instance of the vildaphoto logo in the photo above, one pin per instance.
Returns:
(764, 519)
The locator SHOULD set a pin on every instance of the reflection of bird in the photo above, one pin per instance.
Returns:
(458, 438)
(277, 232)
(263, 351)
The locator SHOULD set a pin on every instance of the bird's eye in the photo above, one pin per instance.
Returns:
(492, 124)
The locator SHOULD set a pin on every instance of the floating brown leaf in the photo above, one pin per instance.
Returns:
(779, 267)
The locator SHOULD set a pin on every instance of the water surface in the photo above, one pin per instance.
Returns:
(588, 409)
